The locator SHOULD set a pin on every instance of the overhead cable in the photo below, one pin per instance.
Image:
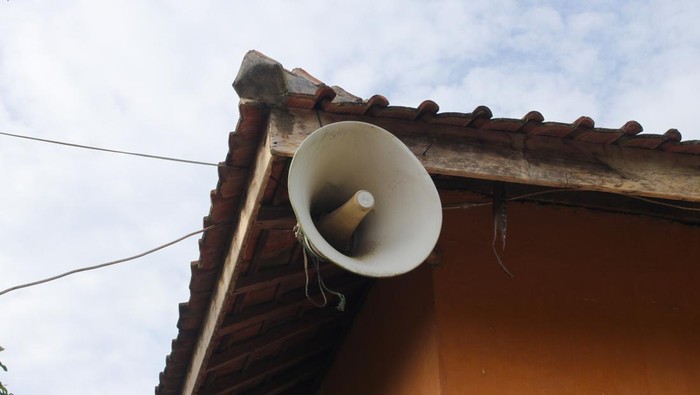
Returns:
(194, 162)
(101, 265)
(529, 195)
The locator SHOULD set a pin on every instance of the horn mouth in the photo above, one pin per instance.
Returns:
(343, 159)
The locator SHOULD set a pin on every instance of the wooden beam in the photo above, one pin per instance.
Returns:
(268, 367)
(284, 383)
(288, 303)
(222, 291)
(276, 218)
(273, 337)
(517, 157)
(282, 274)
(464, 193)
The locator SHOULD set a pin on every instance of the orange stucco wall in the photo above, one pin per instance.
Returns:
(391, 346)
(600, 304)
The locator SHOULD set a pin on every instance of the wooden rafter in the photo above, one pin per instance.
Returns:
(273, 337)
(221, 295)
(518, 158)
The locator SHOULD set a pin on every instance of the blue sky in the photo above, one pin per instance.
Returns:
(155, 77)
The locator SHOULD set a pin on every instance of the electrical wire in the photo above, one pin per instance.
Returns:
(653, 201)
(529, 195)
(446, 207)
(106, 264)
(194, 162)
(102, 265)
(525, 196)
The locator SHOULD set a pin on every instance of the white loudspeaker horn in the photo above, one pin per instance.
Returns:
(354, 172)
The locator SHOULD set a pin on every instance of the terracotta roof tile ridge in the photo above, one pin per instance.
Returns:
(265, 80)
(674, 135)
(632, 128)
(225, 203)
(534, 116)
(343, 96)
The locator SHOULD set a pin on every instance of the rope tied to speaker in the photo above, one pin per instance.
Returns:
(316, 257)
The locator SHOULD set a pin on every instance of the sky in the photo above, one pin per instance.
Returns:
(155, 77)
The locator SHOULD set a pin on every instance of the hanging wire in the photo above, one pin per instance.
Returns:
(316, 257)
(194, 162)
(106, 264)
(308, 248)
(500, 216)
(500, 225)
(533, 194)
(653, 201)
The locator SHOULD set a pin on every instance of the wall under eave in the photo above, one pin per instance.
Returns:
(601, 303)
(392, 346)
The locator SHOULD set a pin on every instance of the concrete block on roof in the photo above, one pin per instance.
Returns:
(263, 79)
